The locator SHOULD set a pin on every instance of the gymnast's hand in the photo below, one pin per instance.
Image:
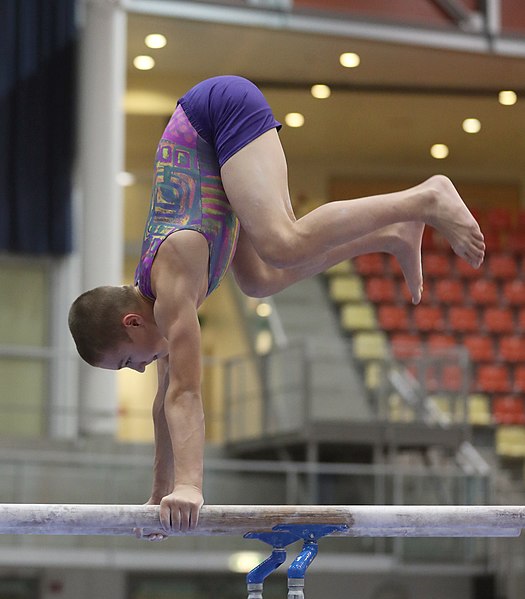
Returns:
(179, 511)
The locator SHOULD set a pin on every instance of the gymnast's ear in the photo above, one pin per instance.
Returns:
(132, 319)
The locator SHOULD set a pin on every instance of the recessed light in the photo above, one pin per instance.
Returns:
(471, 125)
(439, 151)
(320, 91)
(143, 63)
(507, 97)
(125, 179)
(350, 60)
(155, 40)
(294, 119)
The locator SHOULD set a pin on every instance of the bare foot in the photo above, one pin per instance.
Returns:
(449, 215)
(405, 245)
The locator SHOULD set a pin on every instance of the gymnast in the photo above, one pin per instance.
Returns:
(220, 198)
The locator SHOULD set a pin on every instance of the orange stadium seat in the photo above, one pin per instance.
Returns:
(502, 266)
(493, 378)
(436, 265)
(483, 291)
(394, 267)
(480, 347)
(514, 292)
(500, 218)
(516, 241)
(519, 379)
(428, 318)
(512, 349)
(493, 240)
(498, 320)
(463, 319)
(405, 345)
(508, 409)
(370, 264)
(380, 290)
(437, 342)
(393, 318)
(521, 320)
(464, 270)
(449, 291)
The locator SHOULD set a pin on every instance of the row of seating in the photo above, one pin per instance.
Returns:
(448, 291)
(423, 319)
(498, 265)
(452, 320)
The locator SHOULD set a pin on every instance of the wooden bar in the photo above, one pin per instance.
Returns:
(361, 520)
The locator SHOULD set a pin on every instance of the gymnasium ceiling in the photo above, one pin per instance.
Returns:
(382, 116)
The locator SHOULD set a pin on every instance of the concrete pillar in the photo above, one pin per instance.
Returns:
(101, 157)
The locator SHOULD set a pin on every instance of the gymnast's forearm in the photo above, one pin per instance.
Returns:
(185, 419)
(163, 467)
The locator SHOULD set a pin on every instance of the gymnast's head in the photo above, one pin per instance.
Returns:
(114, 328)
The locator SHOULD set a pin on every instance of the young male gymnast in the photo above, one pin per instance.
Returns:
(220, 198)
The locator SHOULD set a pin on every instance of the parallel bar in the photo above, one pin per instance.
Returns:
(362, 521)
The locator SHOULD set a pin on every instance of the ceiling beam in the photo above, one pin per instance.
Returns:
(480, 42)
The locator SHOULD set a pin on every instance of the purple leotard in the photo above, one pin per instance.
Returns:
(212, 122)
(228, 112)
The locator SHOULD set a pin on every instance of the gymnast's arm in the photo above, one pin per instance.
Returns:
(180, 275)
(163, 465)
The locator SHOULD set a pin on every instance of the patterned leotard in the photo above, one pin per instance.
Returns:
(212, 121)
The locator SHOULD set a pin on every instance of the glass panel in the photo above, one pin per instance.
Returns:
(22, 396)
(23, 304)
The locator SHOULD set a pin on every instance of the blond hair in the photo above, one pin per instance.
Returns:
(95, 320)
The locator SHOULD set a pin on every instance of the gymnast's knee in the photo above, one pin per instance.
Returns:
(281, 249)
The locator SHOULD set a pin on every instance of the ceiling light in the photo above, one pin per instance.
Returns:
(507, 97)
(155, 40)
(350, 60)
(244, 561)
(125, 179)
(143, 63)
(439, 151)
(263, 309)
(294, 119)
(320, 91)
(471, 126)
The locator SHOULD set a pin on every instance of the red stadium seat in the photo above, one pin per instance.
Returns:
(449, 291)
(380, 290)
(502, 266)
(405, 345)
(508, 409)
(521, 320)
(480, 347)
(465, 271)
(512, 349)
(394, 266)
(493, 378)
(393, 318)
(438, 342)
(370, 264)
(519, 379)
(483, 291)
(463, 320)
(498, 320)
(428, 318)
(516, 241)
(500, 218)
(436, 265)
(493, 240)
(514, 292)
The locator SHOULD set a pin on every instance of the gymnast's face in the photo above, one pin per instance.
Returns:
(146, 344)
